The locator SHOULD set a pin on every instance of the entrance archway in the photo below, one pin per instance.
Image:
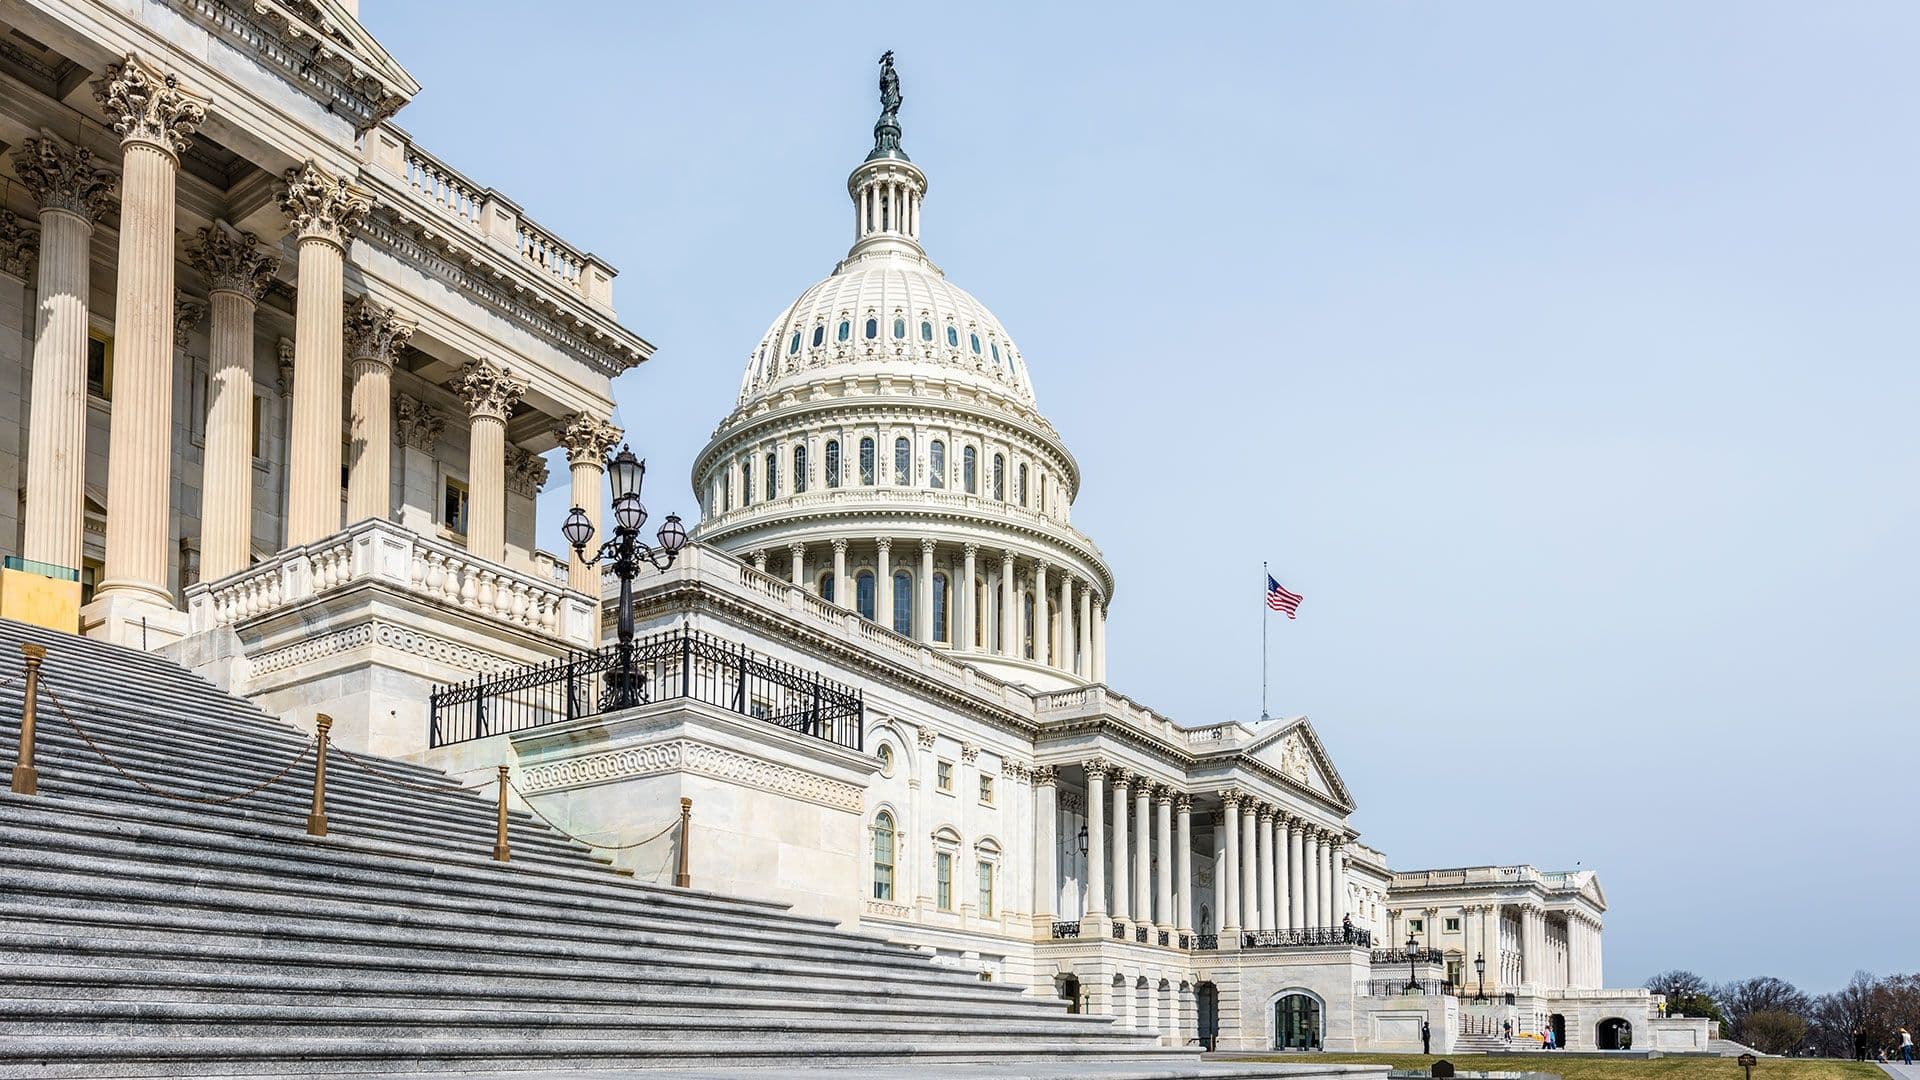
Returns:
(1298, 1016)
(1559, 1025)
(1613, 1033)
(1206, 999)
(1068, 988)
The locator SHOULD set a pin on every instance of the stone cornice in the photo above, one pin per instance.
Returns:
(337, 66)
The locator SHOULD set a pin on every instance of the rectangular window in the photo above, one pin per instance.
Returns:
(943, 881)
(1416, 925)
(1453, 926)
(91, 571)
(866, 462)
(100, 365)
(1453, 972)
(943, 775)
(986, 889)
(986, 789)
(453, 506)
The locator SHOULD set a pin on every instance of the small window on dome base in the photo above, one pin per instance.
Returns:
(873, 329)
(953, 338)
(926, 331)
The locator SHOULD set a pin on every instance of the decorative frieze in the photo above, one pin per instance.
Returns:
(690, 755)
(145, 106)
(320, 205)
(233, 261)
(63, 177)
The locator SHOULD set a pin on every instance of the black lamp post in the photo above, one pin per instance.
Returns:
(1412, 982)
(1480, 969)
(625, 473)
(1083, 839)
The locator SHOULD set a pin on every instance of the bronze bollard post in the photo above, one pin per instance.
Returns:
(317, 817)
(680, 877)
(26, 781)
(500, 852)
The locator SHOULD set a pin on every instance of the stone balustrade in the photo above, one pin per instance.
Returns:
(385, 554)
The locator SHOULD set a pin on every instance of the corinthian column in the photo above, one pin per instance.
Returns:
(1182, 860)
(1263, 850)
(153, 119)
(72, 191)
(1042, 654)
(238, 270)
(1046, 871)
(374, 339)
(491, 393)
(1096, 840)
(1227, 878)
(323, 212)
(1010, 612)
(1122, 884)
(588, 440)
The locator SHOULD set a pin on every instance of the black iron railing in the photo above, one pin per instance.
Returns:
(1165, 936)
(1306, 938)
(1119, 931)
(1140, 934)
(1206, 942)
(671, 665)
(1066, 929)
(1186, 941)
(1401, 956)
(1399, 987)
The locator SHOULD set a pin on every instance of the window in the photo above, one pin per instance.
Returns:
(833, 463)
(793, 346)
(866, 462)
(1454, 971)
(346, 460)
(976, 343)
(937, 464)
(826, 586)
(1416, 925)
(773, 475)
(819, 336)
(1453, 926)
(100, 365)
(995, 346)
(953, 338)
(1021, 487)
(986, 888)
(902, 461)
(940, 607)
(1297, 1022)
(926, 330)
(844, 332)
(943, 776)
(899, 328)
(746, 482)
(91, 571)
(886, 760)
(969, 470)
(726, 492)
(986, 788)
(799, 469)
(943, 881)
(883, 852)
(1000, 477)
(453, 505)
(903, 603)
(863, 593)
(258, 401)
(873, 329)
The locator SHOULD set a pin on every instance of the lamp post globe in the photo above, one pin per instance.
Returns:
(629, 514)
(672, 535)
(625, 473)
(578, 529)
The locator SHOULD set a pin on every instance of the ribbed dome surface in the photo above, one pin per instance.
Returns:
(893, 312)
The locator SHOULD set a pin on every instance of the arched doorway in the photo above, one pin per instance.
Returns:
(1068, 988)
(1613, 1033)
(1206, 999)
(1559, 1025)
(1297, 1019)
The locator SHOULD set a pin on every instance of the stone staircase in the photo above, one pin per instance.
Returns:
(1478, 1044)
(144, 936)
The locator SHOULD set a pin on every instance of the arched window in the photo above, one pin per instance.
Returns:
(883, 855)
(926, 330)
(794, 345)
(996, 352)
(799, 469)
(1000, 477)
(833, 463)
(970, 470)
(899, 328)
(982, 617)
(1297, 1021)
(863, 593)
(826, 586)
(1026, 622)
(844, 331)
(953, 338)
(937, 464)
(873, 329)
(819, 336)
(902, 461)
(866, 461)
(1022, 489)
(976, 343)
(903, 602)
(773, 475)
(726, 492)
(746, 482)
(941, 603)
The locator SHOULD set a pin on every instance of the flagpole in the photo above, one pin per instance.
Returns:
(1266, 610)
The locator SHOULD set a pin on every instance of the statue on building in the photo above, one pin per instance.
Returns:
(886, 130)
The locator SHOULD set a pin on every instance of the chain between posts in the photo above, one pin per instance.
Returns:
(162, 793)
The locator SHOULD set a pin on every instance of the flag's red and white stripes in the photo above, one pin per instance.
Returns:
(1279, 599)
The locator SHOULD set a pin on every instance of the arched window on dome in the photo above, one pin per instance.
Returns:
(899, 328)
(884, 836)
(844, 332)
(773, 475)
(746, 481)
(866, 461)
(1000, 477)
(819, 335)
(995, 346)
(1020, 486)
(953, 337)
(826, 586)
(937, 464)
(902, 461)
(970, 470)
(1026, 624)
(976, 343)
(833, 463)
(873, 329)
(799, 469)
(903, 602)
(726, 492)
(926, 330)
(942, 603)
(863, 593)
(794, 345)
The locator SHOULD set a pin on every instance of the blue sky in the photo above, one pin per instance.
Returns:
(1562, 355)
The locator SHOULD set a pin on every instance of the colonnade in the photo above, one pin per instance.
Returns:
(1527, 956)
(156, 117)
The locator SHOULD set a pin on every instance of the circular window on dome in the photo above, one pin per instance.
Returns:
(794, 345)
(976, 343)
(819, 336)
(953, 338)
(845, 331)
(926, 331)
(899, 328)
(873, 329)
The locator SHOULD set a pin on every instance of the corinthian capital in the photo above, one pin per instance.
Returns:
(587, 438)
(319, 204)
(143, 105)
(62, 177)
(233, 261)
(526, 471)
(415, 423)
(187, 313)
(489, 390)
(373, 333)
(18, 242)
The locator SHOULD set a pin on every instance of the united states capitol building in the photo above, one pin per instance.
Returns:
(279, 387)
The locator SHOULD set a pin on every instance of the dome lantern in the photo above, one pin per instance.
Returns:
(887, 187)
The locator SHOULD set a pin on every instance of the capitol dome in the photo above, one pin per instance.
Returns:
(886, 454)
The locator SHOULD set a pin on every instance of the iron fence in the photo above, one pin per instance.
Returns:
(1066, 928)
(673, 664)
(1306, 937)
(1404, 987)
(1206, 942)
(1401, 956)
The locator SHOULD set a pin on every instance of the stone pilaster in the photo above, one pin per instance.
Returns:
(491, 392)
(373, 338)
(588, 440)
(72, 191)
(18, 242)
(417, 428)
(154, 119)
(323, 213)
(237, 269)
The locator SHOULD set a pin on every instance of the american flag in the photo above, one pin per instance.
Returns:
(1279, 599)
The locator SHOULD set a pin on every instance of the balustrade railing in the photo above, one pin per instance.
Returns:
(1411, 988)
(1311, 937)
(674, 664)
(1119, 931)
(1206, 942)
(1066, 929)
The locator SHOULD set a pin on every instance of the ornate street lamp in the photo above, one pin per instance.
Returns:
(1083, 839)
(625, 473)
(1480, 969)
(1413, 943)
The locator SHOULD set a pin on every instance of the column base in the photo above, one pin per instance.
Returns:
(133, 617)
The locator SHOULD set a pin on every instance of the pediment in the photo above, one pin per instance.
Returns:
(337, 32)
(1292, 749)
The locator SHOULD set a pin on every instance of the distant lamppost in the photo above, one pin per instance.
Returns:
(625, 474)
(1412, 982)
(1480, 969)
(1083, 839)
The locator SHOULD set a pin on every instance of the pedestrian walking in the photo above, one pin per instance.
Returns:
(1906, 1047)
(1506, 1031)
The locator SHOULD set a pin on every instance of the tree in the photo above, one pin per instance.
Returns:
(1773, 1031)
(1687, 994)
(1745, 998)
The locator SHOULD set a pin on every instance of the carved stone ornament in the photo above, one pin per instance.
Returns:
(1043, 776)
(373, 333)
(62, 177)
(286, 365)
(233, 261)
(489, 390)
(969, 753)
(319, 204)
(1183, 801)
(587, 438)
(926, 735)
(526, 471)
(1293, 758)
(415, 423)
(18, 244)
(143, 105)
(187, 313)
